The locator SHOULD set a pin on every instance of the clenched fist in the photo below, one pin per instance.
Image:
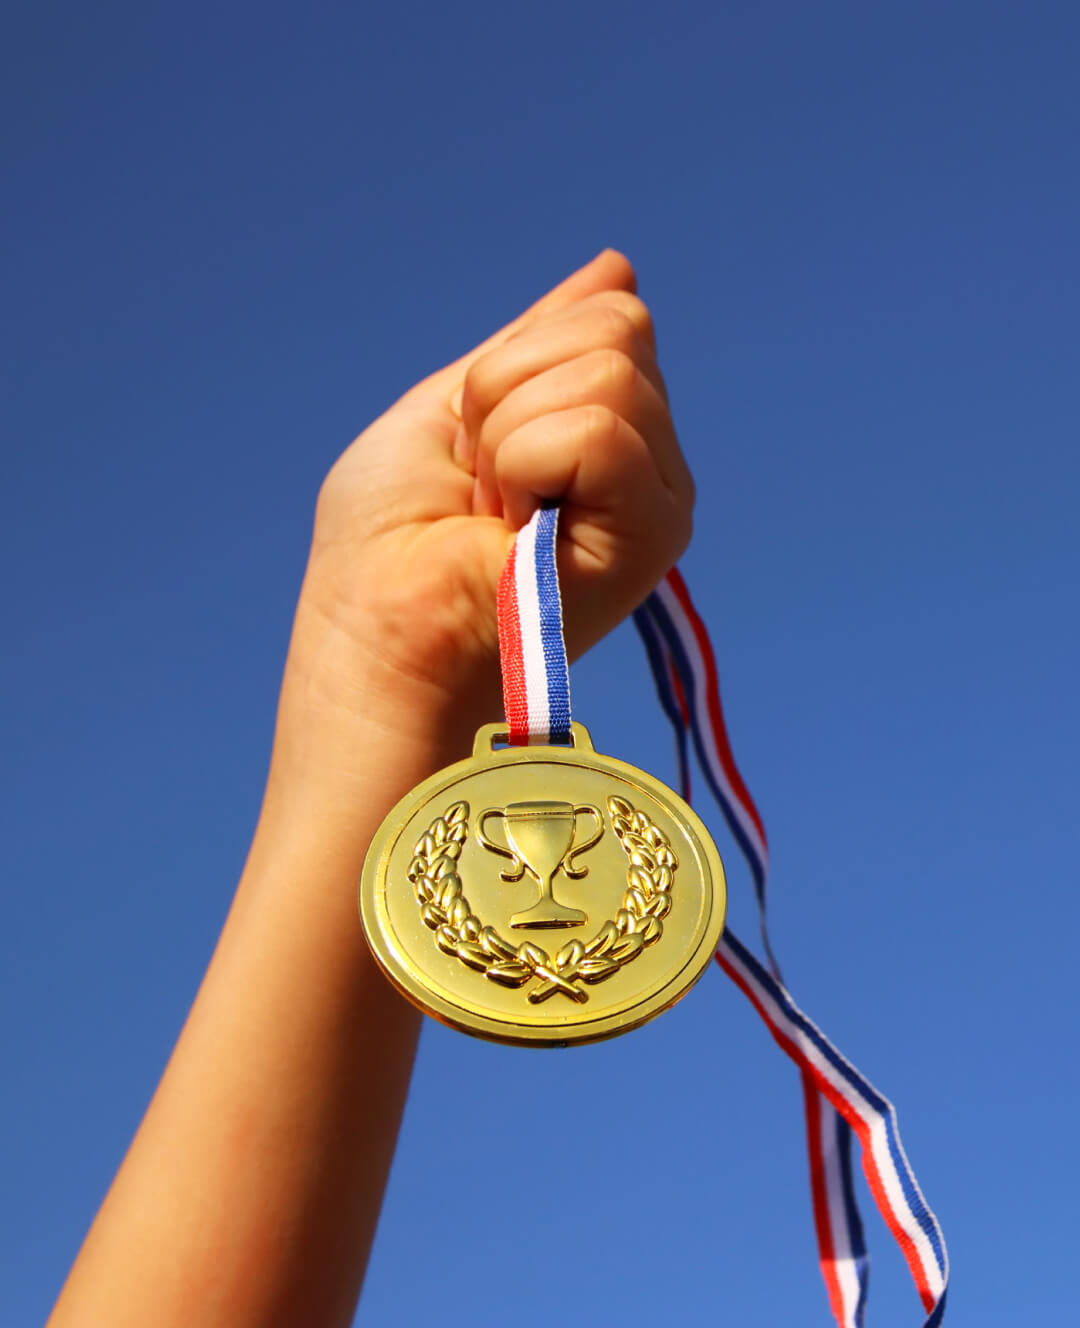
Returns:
(414, 522)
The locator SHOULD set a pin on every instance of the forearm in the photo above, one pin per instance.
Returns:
(251, 1192)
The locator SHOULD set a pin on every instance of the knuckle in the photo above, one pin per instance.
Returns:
(600, 426)
(634, 310)
(613, 328)
(690, 497)
(682, 527)
(481, 388)
(616, 373)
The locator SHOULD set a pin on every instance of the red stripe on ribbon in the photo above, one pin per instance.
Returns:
(862, 1132)
(716, 713)
(822, 1217)
(515, 698)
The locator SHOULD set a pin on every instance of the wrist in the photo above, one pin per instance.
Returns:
(355, 731)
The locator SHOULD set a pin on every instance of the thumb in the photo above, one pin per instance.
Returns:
(609, 270)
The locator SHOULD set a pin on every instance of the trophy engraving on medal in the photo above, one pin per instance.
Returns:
(442, 926)
(540, 838)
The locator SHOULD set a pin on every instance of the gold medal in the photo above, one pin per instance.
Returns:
(542, 894)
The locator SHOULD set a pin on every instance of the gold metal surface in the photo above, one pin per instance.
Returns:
(595, 846)
(541, 838)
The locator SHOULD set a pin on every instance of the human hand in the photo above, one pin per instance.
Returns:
(393, 663)
(396, 622)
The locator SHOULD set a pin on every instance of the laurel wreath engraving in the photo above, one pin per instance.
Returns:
(651, 864)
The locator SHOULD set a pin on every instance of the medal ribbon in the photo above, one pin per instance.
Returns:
(838, 1101)
(535, 675)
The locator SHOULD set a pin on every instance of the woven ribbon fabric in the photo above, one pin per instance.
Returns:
(535, 676)
(839, 1103)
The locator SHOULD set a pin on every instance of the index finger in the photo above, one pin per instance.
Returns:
(609, 270)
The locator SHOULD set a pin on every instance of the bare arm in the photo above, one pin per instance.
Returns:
(252, 1189)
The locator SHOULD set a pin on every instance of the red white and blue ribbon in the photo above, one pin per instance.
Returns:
(838, 1100)
(535, 676)
(842, 1257)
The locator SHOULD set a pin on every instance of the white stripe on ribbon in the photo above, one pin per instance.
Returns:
(700, 705)
(679, 636)
(532, 646)
(845, 1266)
(774, 1013)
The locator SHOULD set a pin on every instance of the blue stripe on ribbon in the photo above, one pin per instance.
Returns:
(853, 1219)
(653, 623)
(851, 1076)
(938, 1313)
(674, 644)
(668, 701)
(551, 627)
(647, 629)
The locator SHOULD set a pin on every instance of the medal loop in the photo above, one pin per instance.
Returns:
(535, 673)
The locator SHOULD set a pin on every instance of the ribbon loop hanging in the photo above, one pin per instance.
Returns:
(838, 1100)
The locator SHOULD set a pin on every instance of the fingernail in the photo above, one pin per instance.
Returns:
(455, 401)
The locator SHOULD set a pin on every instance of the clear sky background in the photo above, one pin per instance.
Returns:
(234, 233)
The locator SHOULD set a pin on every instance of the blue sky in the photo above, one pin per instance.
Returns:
(232, 235)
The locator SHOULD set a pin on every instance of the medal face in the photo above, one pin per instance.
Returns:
(542, 894)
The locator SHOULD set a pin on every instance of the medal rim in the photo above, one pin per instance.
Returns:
(393, 962)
